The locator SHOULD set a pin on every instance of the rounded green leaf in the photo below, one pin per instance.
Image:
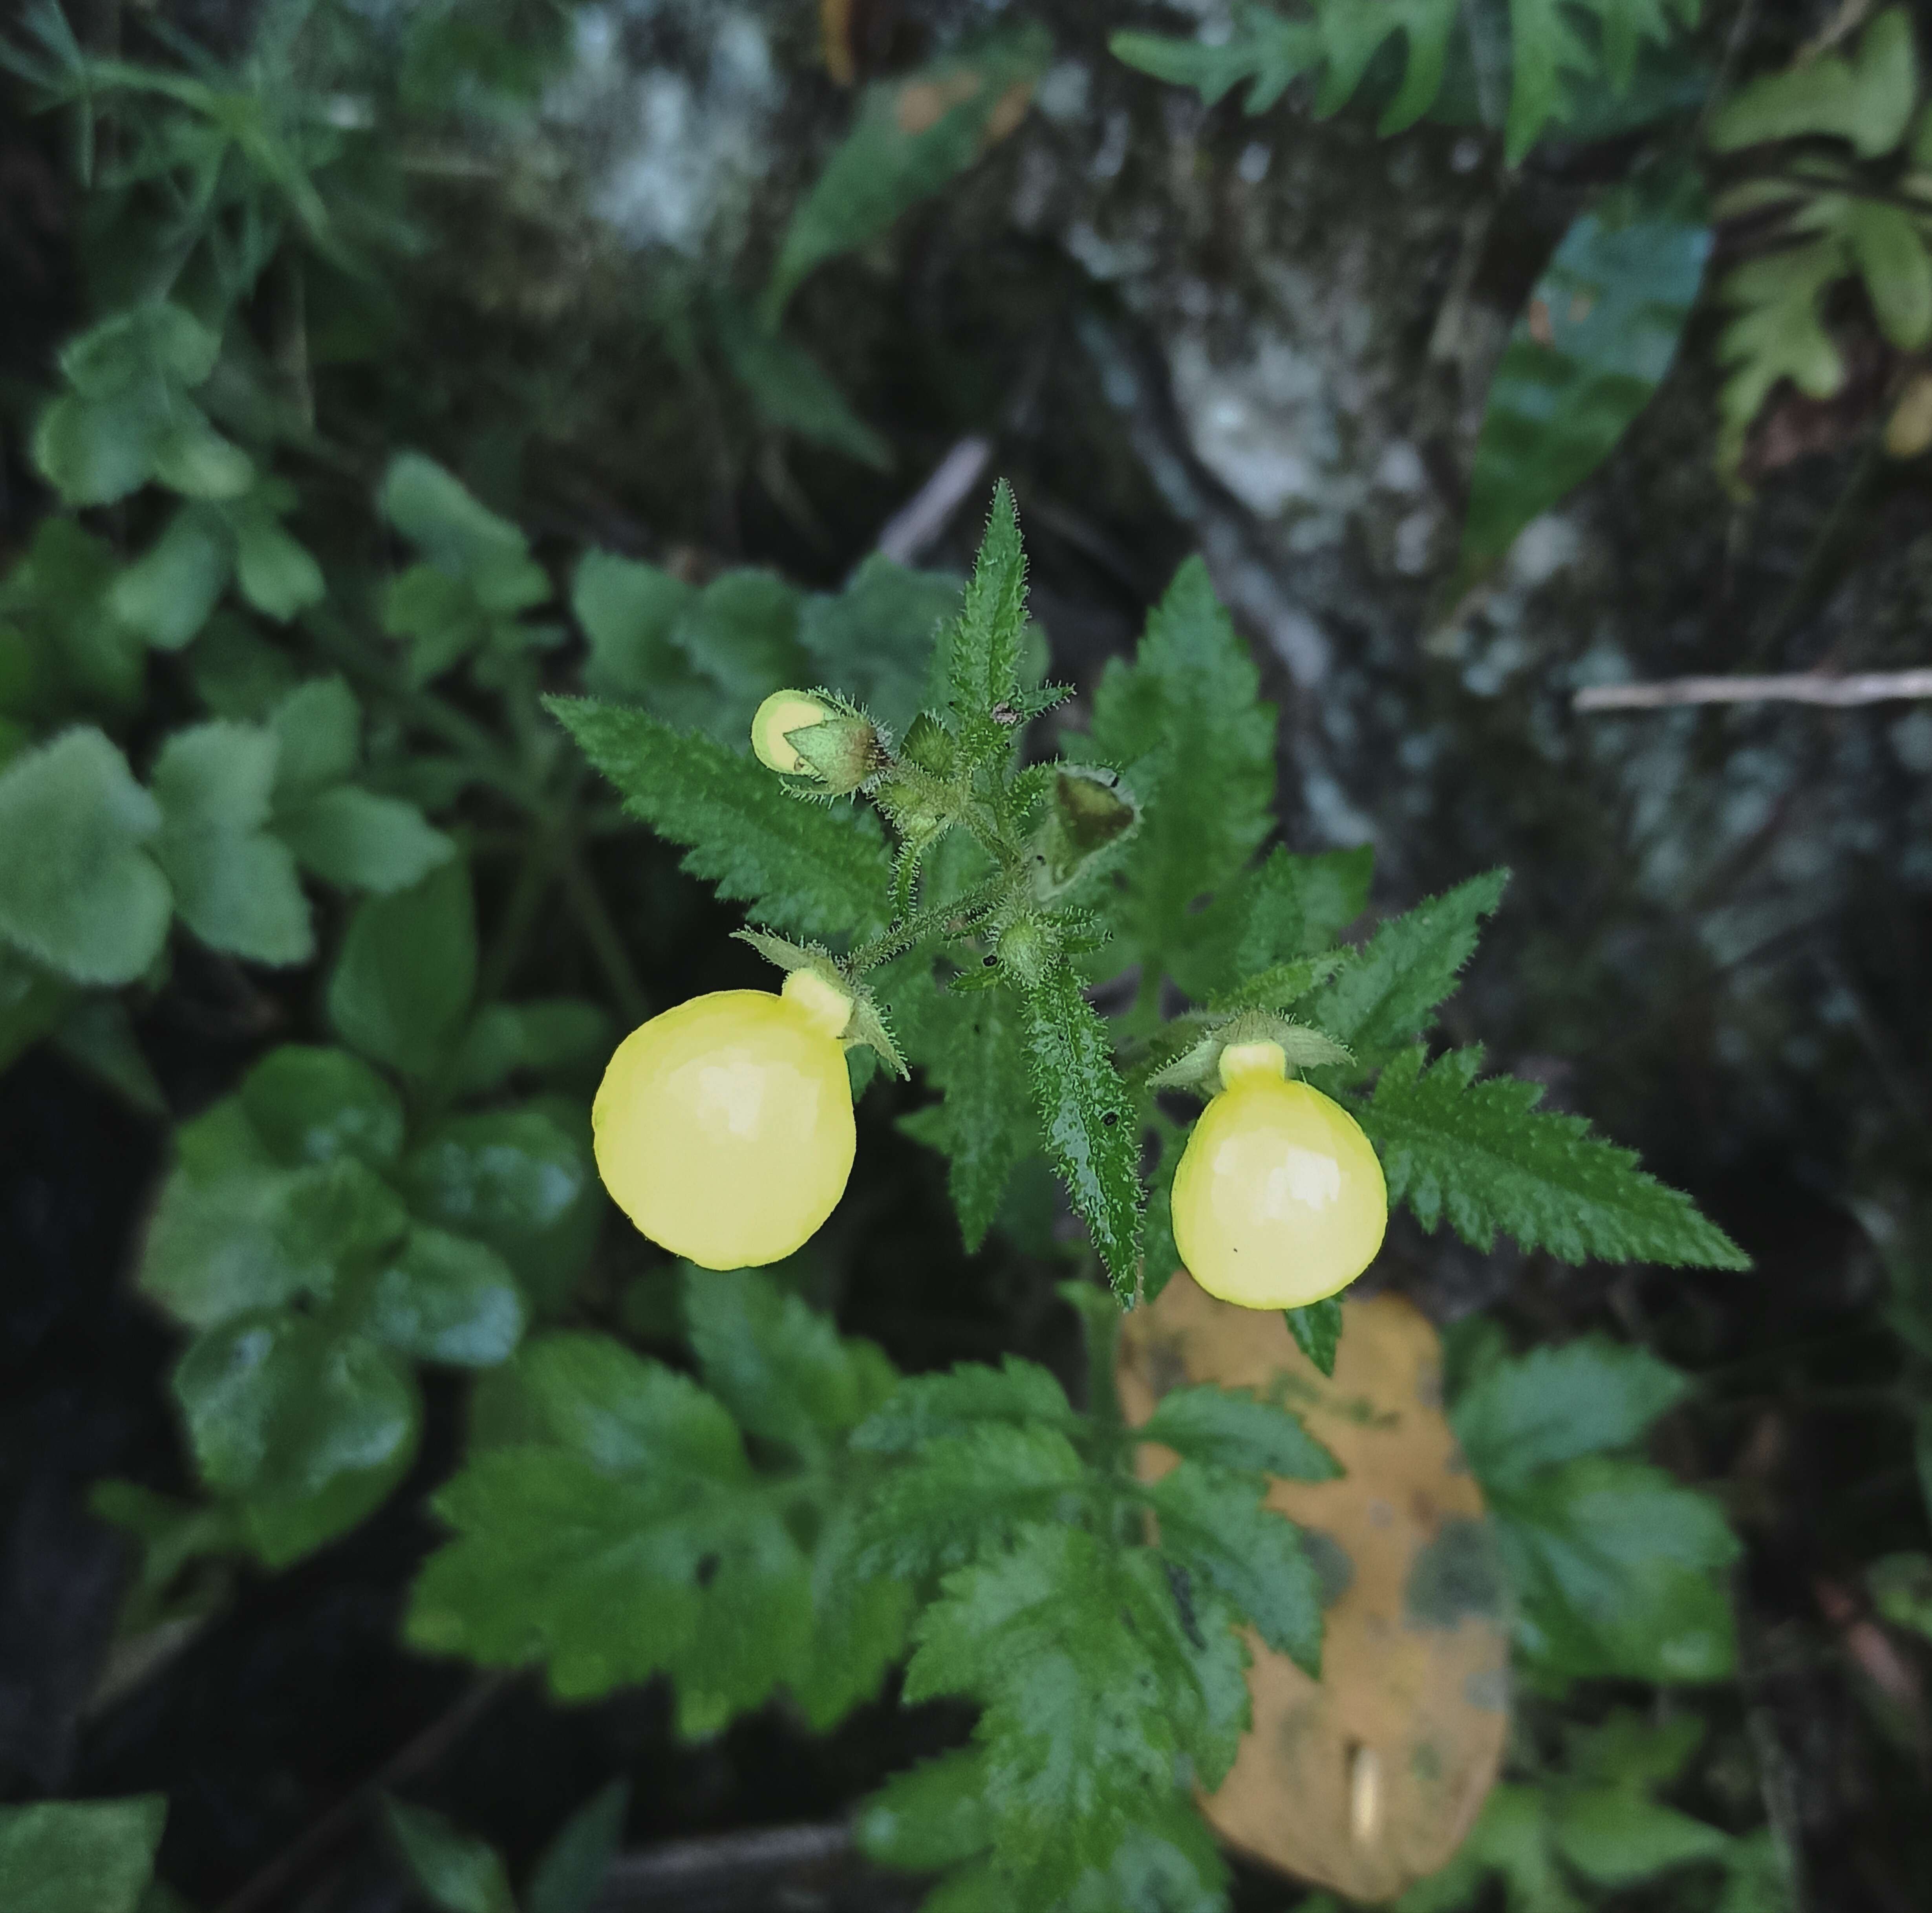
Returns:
(79, 1856)
(78, 890)
(359, 841)
(276, 575)
(402, 986)
(518, 1181)
(310, 1105)
(93, 453)
(447, 1299)
(167, 594)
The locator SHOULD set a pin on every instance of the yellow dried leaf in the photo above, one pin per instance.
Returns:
(1367, 1780)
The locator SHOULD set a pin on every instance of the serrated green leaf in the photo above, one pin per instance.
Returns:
(1598, 335)
(780, 1367)
(1483, 1154)
(1555, 1404)
(968, 1492)
(1411, 964)
(644, 1542)
(235, 885)
(78, 890)
(445, 1297)
(913, 134)
(925, 1408)
(1233, 1428)
(79, 1856)
(1317, 1329)
(457, 1872)
(1184, 723)
(359, 841)
(1092, 1131)
(1216, 1529)
(518, 1181)
(973, 1050)
(1615, 1569)
(1093, 1697)
(571, 1870)
(402, 985)
(168, 592)
(1615, 1837)
(434, 512)
(859, 1617)
(984, 656)
(803, 868)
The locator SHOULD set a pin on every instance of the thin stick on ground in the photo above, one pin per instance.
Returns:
(1864, 687)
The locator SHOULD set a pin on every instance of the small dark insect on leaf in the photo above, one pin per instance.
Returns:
(1111, 1117)
(707, 1570)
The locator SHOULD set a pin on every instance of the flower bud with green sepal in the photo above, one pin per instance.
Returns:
(814, 976)
(822, 744)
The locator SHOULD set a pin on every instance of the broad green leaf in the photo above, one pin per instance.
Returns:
(278, 1404)
(235, 885)
(1232, 1429)
(912, 135)
(1411, 964)
(1184, 725)
(1555, 1404)
(1483, 1154)
(967, 1492)
(972, 1049)
(1759, 1878)
(94, 453)
(152, 340)
(460, 537)
(1216, 1530)
(79, 1856)
(458, 1872)
(437, 615)
(571, 1869)
(274, 573)
(931, 1816)
(983, 658)
(1317, 1330)
(642, 1542)
(1629, 1750)
(445, 1297)
(1598, 335)
(1512, 1837)
(1866, 99)
(1901, 1588)
(402, 985)
(359, 841)
(190, 457)
(1092, 1131)
(32, 1004)
(803, 868)
(876, 639)
(68, 653)
(628, 610)
(168, 592)
(1251, 947)
(1615, 1837)
(740, 635)
(310, 1105)
(318, 728)
(780, 1367)
(1616, 1569)
(235, 1230)
(1094, 1698)
(97, 1035)
(557, 1036)
(924, 1408)
(790, 389)
(78, 890)
(519, 1181)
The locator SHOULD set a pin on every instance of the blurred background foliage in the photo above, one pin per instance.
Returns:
(366, 369)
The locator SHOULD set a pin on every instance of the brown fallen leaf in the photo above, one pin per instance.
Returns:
(1368, 1780)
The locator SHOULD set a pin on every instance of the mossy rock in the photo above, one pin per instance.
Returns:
(1366, 1780)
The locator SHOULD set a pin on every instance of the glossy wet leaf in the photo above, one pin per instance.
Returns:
(1600, 332)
